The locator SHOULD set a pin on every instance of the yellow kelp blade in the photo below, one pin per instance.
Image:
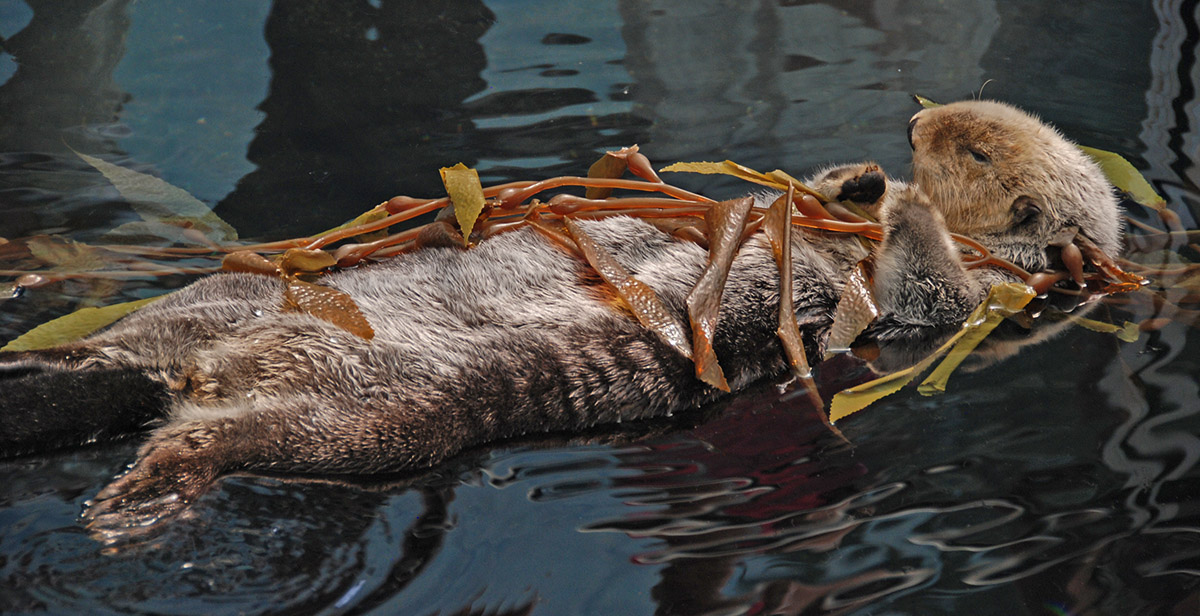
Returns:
(776, 179)
(859, 397)
(73, 326)
(1128, 332)
(1126, 177)
(727, 167)
(1004, 299)
(466, 194)
(374, 214)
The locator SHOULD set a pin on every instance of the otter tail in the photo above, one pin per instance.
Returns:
(45, 406)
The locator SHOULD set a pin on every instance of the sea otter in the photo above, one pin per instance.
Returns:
(509, 337)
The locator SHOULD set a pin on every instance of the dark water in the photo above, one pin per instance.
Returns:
(1062, 481)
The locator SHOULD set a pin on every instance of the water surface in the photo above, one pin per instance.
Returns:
(1061, 481)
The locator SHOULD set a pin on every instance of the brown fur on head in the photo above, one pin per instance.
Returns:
(1004, 177)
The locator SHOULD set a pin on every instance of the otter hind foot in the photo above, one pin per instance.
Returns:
(177, 466)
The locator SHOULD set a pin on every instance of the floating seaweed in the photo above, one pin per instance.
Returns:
(472, 213)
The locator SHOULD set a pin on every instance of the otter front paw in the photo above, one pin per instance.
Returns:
(861, 183)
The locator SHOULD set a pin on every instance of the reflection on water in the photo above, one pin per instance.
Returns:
(1061, 481)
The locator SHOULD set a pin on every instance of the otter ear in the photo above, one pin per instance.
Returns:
(1025, 211)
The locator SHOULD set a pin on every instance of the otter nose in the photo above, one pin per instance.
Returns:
(911, 125)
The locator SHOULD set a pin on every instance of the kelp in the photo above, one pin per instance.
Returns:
(325, 303)
(856, 309)
(726, 222)
(466, 196)
(73, 326)
(614, 165)
(1126, 332)
(158, 201)
(1004, 300)
(1129, 180)
(925, 102)
(777, 226)
(776, 179)
(471, 213)
(636, 295)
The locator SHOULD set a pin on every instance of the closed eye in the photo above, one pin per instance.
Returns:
(979, 156)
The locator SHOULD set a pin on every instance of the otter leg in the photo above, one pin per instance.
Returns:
(116, 381)
(300, 433)
(920, 281)
(48, 401)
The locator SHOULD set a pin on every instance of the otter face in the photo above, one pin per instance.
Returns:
(1009, 180)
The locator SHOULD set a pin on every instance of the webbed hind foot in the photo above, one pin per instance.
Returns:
(175, 468)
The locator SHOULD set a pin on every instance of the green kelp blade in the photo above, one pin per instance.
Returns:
(1126, 177)
(73, 326)
(466, 194)
(1003, 301)
(859, 397)
(925, 102)
(156, 200)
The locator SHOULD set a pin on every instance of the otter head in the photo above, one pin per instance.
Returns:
(1010, 181)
